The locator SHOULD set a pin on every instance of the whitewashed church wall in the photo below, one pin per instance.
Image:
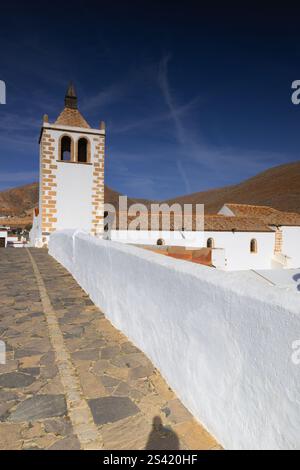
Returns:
(224, 342)
(235, 244)
(291, 245)
(74, 196)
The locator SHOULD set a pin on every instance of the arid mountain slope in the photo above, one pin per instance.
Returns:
(278, 187)
(17, 201)
(21, 200)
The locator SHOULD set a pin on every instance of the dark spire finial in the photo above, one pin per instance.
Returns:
(71, 97)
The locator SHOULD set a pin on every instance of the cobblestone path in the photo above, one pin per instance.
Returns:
(71, 380)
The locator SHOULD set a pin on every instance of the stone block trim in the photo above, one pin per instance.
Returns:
(278, 241)
(48, 169)
(50, 150)
(98, 188)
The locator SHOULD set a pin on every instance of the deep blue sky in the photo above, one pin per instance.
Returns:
(193, 97)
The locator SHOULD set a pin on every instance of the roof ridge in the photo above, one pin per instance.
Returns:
(72, 117)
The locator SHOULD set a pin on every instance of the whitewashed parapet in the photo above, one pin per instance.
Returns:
(223, 343)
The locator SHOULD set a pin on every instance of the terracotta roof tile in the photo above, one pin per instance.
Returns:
(71, 117)
(212, 223)
(234, 223)
(267, 214)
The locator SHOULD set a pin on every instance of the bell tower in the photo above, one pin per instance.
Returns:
(71, 192)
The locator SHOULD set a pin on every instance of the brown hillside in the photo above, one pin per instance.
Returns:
(21, 200)
(278, 187)
(17, 201)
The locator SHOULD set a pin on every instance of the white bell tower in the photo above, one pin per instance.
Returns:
(71, 173)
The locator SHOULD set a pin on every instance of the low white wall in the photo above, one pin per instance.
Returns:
(222, 341)
(237, 249)
(235, 244)
(291, 244)
(150, 237)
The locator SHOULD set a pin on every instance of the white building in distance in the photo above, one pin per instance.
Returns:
(239, 237)
(71, 196)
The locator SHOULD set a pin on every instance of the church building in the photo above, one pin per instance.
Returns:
(71, 189)
(71, 196)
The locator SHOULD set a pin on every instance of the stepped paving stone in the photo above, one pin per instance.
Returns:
(10, 366)
(109, 381)
(12, 333)
(140, 372)
(118, 382)
(49, 372)
(74, 332)
(48, 359)
(123, 389)
(20, 353)
(16, 380)
(4, 409)
(60, 426)
(110, 352)
(39, 407)
(31, 370)
(176, 412)
(68, 443)
(111, 409)
(10, 436)
(36, 314)
(86, 355)
(6, 395)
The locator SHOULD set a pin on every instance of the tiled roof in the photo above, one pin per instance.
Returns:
(267, 214)
(212, 223)
(250, 210)
(71, 117)
(239, 224)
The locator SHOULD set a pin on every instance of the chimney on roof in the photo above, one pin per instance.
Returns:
(71, 97)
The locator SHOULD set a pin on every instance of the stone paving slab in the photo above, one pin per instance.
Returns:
(131, 404)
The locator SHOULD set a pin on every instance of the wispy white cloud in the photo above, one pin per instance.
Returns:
(163, 81)
(19, 143)
(144, 123)
(11, 122)
(183, 175)
(180, 131)
(112, 94)
(213, 163)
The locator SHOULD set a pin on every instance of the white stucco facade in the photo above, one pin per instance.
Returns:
(150, 237)
(74, 196)
(74, 180)
(71, 193)
(236, 245)
(291, 245)
(238, 255)
(223, 341)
